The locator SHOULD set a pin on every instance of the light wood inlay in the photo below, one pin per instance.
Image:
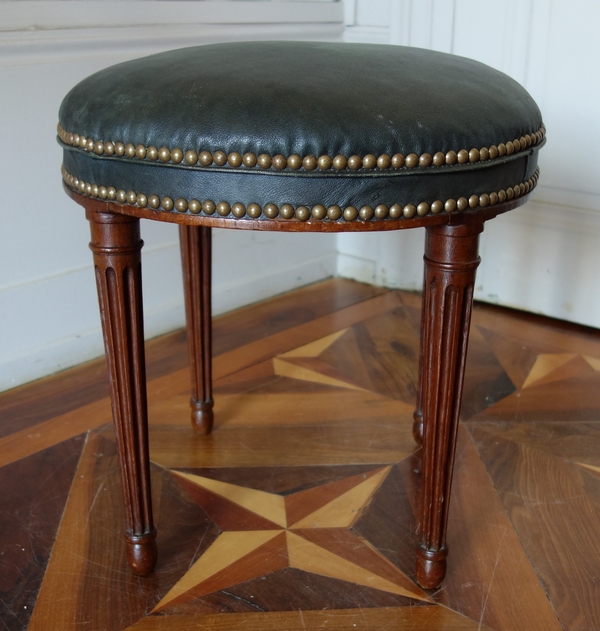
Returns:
(266, 505)
(546, 364)
(294, 371)
(344, 510)
(345, 544)
(591, 467)
(305, 503)
(225, 551)
(594, 362)
(305, 555)
(314, 349)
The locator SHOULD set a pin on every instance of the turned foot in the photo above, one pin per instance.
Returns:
(431, 567)
(202, 416)
(141, 553)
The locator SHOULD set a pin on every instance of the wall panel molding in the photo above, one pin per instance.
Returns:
(542, 258)
(49, 314)
(22, 15)
(55, 46)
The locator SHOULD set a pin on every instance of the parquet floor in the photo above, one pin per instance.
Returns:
(298, 512)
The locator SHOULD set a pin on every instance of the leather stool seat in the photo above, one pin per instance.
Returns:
(329, 134)
(297, 137)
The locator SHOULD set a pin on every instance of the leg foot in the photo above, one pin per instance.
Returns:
(202, 416)
(141, 553)
(431, 567)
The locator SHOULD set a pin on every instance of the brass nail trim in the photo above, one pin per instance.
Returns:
(237, 210)
(295, 162)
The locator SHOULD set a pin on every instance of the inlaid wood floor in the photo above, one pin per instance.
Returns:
(298, 512)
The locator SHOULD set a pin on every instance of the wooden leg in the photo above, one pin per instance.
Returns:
(116, 245)
(417, 429)
(196, 259)
(450, 263)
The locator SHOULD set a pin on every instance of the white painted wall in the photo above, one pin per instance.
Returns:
(542, 257)
(48, 307)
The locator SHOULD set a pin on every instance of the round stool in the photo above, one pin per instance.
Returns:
(294, 137)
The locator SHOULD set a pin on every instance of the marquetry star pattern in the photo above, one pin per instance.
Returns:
(551, 367)
(308, 530)
(304, 363)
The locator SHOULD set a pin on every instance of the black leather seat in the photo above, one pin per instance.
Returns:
(314, 132)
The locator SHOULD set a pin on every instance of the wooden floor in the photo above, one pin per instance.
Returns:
(298, 512)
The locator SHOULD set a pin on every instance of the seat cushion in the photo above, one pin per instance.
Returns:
(344, 132)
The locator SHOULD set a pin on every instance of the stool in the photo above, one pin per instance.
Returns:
(295, 137)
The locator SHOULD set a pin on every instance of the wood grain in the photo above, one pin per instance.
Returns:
(546, 499)
(34, 493)
(55, 606)
(516, 356)
(379, 354)
(71, 389)
(53, 431)
(486, 380)
(534, 330)
(47, 433)
(88, 567)
(196, 258)
(575, 441)
(413, 618)
(277, 446)
(287, 311)
(526, 535)
(489, 573)
(569, 400)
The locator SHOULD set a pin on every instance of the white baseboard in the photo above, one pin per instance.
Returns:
(543, 258)
(357, 268)
(540, 258)
(238, 294)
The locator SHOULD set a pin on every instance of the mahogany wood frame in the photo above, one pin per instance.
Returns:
(196, 244)
(451, 260)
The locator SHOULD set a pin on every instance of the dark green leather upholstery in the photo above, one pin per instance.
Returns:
(304, 99)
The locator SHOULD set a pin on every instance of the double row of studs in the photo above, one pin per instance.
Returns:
(296, 162)
(301, 213)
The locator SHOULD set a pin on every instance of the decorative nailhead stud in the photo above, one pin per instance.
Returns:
(300, 213)
(294, 162)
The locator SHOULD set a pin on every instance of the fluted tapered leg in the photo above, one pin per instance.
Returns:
(450, 263)
(116, 245)
(418, 413)
(196, 259)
